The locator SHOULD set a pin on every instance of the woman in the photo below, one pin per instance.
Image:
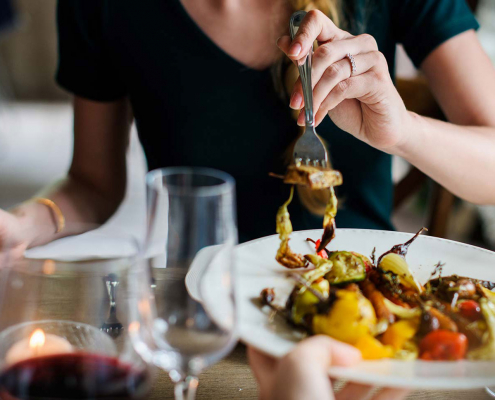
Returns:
(199, 79)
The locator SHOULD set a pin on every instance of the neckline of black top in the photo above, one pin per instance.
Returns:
(210, 43)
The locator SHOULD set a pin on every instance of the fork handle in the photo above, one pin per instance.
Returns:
(304, 69)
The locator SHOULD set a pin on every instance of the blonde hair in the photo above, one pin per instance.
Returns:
(313, 200)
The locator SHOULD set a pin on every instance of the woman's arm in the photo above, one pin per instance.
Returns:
(460, 155)
(366, 104)
(94, 186)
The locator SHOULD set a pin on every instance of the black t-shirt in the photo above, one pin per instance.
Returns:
(196, 106)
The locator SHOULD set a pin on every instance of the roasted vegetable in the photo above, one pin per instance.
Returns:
(428, 323)
(351, 317)
(377, 300)
(318, 261)
(305, 302)
(322, 267)
(408, 352)
(487, 350)
(267, 296)
(453, 288)
(329, 221)
(464, 325)
(436, 284)
(400, 332)
(396, 264)
(402, 249)
(444, 321)
(347, 268)
(373, 349)
(323, 253)
(315, 178)
(470, 309)
(490, 296)
(443, 345)
(285, 255)
(402, 312)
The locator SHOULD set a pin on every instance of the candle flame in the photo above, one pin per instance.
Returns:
(37, 339)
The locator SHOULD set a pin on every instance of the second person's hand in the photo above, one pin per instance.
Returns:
(303, 373)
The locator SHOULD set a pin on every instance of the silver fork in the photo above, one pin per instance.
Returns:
(112, 325)
(309, 149)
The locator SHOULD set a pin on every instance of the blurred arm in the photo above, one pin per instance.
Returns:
(96, 181)
(460, 154)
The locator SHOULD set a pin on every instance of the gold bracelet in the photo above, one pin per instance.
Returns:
(59, 216)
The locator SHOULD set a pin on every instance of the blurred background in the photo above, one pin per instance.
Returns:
(36, 129)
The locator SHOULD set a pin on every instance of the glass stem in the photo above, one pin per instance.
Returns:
(185, 389)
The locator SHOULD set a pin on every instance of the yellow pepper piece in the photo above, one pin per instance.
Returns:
(305, 303)
(372, 349)
(400, 332)
(351, 317)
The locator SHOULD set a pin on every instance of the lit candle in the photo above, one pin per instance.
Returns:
(38, 344)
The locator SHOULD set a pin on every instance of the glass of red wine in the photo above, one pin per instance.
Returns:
(192, 232)
(55, 320)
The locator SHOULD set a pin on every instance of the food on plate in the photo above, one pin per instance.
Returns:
(314, 178)
(285, 256)
(378, 306)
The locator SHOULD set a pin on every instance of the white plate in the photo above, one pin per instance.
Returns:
(257, 269)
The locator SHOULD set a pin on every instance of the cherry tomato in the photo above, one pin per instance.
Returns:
(323, 253)
(470, 309)
(442, 345)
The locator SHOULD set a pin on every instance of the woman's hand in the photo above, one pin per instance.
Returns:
(365, 102)
(303, 373)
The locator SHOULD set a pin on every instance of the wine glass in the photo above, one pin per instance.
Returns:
(191, 238)
(53, 317)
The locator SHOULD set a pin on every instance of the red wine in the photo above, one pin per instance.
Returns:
(73, 376)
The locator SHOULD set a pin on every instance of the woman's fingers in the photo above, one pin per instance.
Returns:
(359, 87)
(332, 55)
(315, 26)
(332, 52)
(338, 72)
(366, 87)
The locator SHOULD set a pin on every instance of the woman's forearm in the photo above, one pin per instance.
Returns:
(84, 208)
(95, 184)
(460, 158)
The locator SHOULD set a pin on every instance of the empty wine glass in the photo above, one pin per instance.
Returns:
(52, 344)
(191, 239)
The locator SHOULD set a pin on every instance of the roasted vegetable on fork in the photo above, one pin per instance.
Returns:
(329, 221)
(285, 255)
(314, 178)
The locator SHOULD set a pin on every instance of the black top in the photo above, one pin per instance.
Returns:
(196, 106)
